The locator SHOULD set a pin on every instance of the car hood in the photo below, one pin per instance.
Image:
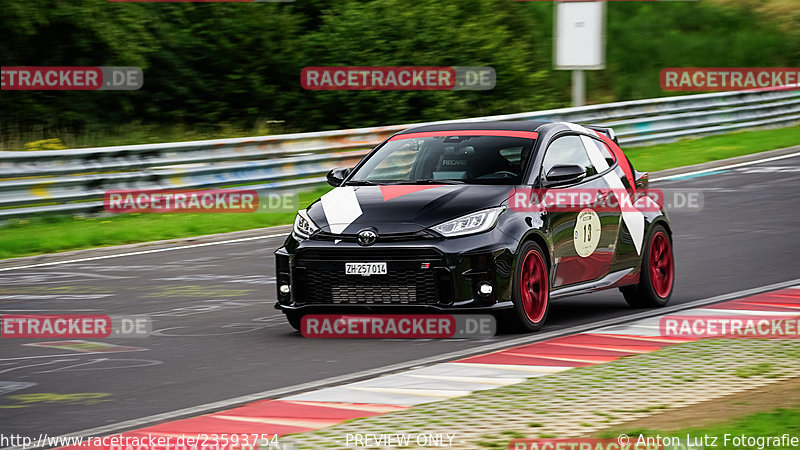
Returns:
(399, 209)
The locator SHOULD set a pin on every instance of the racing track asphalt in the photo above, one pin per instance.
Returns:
(218, 336)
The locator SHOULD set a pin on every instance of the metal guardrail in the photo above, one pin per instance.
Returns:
(73, 181)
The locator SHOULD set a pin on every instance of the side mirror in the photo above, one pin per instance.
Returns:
(337, 176)
(564, 174)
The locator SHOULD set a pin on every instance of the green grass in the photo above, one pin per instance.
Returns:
(49, 234)
(753, 370)
(60, 233)
(771, 423)
(685, 153)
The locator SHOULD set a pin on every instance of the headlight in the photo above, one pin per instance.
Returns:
(476, 222)
(303, 226)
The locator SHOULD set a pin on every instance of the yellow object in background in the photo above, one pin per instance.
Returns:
(45, 144)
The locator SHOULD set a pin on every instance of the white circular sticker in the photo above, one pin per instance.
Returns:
(587, 232)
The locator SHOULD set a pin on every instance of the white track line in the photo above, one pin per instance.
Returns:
(144, 252)
(731, 166)
(64, 355)
(329, 382)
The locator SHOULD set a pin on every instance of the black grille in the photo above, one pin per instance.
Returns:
(403, 287)
(415, 276)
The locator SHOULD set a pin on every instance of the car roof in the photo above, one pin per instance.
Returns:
(522, 125)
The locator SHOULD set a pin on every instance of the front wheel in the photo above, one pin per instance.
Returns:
(657, 273)
(531, 291)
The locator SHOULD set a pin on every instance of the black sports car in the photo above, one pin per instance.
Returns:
(461, 218)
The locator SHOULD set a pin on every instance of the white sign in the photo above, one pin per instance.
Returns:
(580, 35)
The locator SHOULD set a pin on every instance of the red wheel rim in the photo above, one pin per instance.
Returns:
(533, 286)
(661, 265)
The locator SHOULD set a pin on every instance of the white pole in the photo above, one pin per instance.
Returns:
(578, 88)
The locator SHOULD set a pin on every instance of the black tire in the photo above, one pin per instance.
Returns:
(648, 294)
(518, 320)
(294, 319)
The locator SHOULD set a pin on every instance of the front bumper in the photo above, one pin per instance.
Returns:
(424, 276)
(391, 309)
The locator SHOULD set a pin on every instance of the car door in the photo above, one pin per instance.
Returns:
(584, 233)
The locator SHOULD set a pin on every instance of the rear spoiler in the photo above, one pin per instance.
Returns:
(605, 130)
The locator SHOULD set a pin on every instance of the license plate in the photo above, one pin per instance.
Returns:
(365, 269)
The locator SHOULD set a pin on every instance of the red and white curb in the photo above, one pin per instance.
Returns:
(326, 407)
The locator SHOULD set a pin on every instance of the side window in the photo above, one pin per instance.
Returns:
(604, 150)
(567, 150)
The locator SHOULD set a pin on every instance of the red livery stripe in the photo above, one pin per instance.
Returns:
(503, 133)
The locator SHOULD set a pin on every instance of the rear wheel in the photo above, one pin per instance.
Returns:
(657, 274)
(531, 291)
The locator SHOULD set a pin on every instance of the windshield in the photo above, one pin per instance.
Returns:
(447, 159)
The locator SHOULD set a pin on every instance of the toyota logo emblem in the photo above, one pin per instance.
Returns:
(367, 237)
